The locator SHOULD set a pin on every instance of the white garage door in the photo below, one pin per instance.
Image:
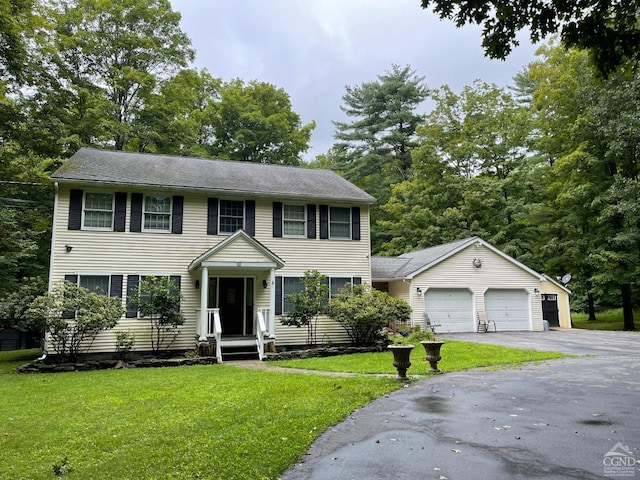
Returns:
(451, 308)
(508, 308)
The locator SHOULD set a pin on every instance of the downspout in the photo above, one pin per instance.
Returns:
(51, 257)
(404, 280)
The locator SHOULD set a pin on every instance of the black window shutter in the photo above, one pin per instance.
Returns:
(116, 286)
(176, 280)
(311, 221)
(176, 214)
(67, 314)
(324, 221)
(356, 281)
(278, 296)
(120, 213)
(355, 223)
(250, 217)
(75, 210)
(136, 212)
(212, 216)
(132, 287)
(277, 219)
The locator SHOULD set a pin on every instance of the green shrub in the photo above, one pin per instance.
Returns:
(364, 312)
(73, 316)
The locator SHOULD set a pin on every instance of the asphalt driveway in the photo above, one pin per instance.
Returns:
(569, 418)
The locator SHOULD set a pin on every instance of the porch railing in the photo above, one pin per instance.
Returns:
(209, 325)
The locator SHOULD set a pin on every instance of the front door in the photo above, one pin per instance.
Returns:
(550, 309)
(234, 297)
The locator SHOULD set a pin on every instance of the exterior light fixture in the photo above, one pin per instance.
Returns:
(197, 284)
(419, 290)
(477, 262)
(68, 248)
(265, 284)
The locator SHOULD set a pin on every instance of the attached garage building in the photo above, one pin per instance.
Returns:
(451, 284)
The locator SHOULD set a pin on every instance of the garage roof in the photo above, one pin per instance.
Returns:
(408, 265)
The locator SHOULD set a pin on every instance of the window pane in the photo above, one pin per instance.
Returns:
(95, 283)
(338, 283)
(294, 220)
(231, 215)
(98, 210)
(157, 204)
(290, 285)
(99, 201)
(339, 222)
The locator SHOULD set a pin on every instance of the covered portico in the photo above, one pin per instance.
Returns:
(237, 294)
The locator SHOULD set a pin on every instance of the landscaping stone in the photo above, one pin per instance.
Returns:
(112, 364)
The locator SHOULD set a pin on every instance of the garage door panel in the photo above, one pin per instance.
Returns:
(509, 309)
(450, 308)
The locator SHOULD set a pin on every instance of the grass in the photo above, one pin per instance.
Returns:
(607, 320)
(214, 422)
(211, 422)
(12, 359)
(456, 356)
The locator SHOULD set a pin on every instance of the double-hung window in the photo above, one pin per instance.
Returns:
(157, 213)
(294, 220)
(231, 216)
(98, 210)
(340, 223)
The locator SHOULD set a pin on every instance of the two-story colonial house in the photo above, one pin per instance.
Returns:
(236, 237)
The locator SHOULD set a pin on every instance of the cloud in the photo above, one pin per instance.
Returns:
(313, 49)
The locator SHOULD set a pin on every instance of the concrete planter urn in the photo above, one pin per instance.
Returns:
(401, 356)
(432, 350)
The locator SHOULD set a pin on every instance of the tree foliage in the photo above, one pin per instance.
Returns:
(308, 304)
(105, 57)
(72, 317)
(373, 150)
(157, 300)
(254, 123)
(364, 311)
(607, 29)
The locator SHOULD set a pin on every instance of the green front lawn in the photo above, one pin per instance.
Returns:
(213, 422)
(607, 320)
(456, 356)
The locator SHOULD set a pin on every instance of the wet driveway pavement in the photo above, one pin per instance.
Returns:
(553, 420)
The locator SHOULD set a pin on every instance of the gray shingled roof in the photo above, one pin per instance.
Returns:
(222, 176)
(403, 266)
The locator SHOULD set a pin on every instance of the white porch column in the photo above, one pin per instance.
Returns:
(271, 322)
(204, 300)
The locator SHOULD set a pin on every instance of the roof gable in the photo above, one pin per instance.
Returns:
(238, 250)
(219, 176)
(418, 261)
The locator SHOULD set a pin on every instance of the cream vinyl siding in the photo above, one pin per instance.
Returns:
(564, 309)
(496, 272)
(334, 258)
(154, 253)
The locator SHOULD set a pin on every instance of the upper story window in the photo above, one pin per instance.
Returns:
(98, 210)
(231, 215)
(294, 220)
(340, 222)
(157, 213)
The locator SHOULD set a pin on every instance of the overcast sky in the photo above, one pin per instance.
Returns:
(314, 48)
